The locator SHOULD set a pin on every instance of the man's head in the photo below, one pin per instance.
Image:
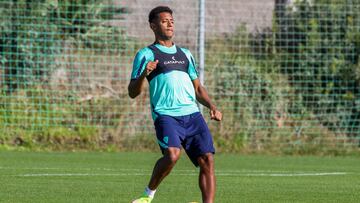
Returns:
(162, 22)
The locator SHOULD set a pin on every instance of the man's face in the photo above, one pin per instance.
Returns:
(163, 27)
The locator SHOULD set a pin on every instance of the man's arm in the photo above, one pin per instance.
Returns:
(136, 85)
(204, 99)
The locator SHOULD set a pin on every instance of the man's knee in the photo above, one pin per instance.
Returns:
(206, 160)
(172, 155)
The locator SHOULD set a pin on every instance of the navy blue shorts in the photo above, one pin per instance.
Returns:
(191, 132)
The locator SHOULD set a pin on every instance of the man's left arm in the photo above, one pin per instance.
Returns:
(204, 99)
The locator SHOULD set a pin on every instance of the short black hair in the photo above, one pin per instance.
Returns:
(154, 13)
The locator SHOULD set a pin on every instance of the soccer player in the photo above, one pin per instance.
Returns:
(174, 89)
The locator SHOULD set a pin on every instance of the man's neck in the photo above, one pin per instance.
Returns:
(166, 43)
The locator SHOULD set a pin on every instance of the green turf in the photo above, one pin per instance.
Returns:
(120, 177)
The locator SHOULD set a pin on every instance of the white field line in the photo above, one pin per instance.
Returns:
(149, 170)
(128, 169)
(176, 172)
(64, 169)
(183, 174)
(295, 174)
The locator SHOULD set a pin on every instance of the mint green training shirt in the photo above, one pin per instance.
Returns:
(171, 93)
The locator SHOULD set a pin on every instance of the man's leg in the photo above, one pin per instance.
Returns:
(207, 181)
(163, 166)
(161, 169)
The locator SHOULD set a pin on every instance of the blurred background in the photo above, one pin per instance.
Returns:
(285, 73)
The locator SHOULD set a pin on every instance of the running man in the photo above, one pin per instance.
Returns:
(174, 89)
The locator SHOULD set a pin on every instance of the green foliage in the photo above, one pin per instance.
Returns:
(318, 48)
(34, 118)
(34, 33)
(248, 88)
(284, 85)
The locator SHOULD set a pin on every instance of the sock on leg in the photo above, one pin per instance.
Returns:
(150, 192)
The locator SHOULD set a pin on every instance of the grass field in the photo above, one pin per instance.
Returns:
(120, 177)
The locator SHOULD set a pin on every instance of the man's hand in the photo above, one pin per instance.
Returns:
(135, 86)
(150, 67)
(215, 114)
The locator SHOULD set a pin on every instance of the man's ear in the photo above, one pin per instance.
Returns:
(153, 26)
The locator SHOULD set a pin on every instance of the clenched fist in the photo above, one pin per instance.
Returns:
(150, 67)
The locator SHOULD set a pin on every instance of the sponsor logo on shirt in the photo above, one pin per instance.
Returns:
(174, 61)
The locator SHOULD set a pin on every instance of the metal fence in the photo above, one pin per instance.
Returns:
(285, 73)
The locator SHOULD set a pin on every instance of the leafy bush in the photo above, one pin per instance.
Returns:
(318, 48)
(247, 88)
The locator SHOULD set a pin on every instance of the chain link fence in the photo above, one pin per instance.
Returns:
(285, 73)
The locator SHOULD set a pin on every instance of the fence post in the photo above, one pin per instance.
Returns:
(201, 43)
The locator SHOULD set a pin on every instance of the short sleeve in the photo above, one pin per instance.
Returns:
(192, 71)
(141, 59)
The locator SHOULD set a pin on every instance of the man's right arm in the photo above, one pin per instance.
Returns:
(136, 85)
